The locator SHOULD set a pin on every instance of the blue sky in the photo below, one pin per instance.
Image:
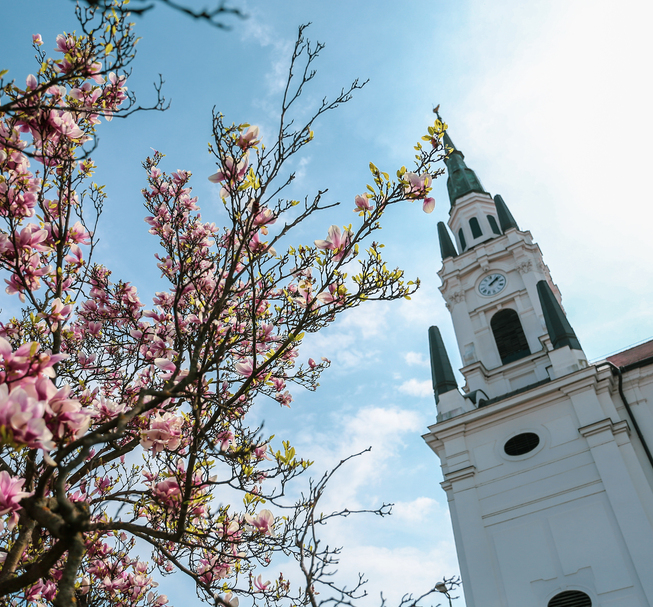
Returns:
(549, 101)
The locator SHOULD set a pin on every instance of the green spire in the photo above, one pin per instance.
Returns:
(446, 246)
(461, 180)
(441, 371)
(557, 325)
(506, 220)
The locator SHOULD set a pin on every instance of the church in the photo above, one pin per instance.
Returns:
(546, 458)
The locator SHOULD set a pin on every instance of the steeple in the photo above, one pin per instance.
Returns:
(461, 179)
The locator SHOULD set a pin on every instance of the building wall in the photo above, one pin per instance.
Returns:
(576, 513)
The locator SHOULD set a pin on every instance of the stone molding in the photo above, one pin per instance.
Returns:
(461, 474)
(525, 266)
(603, 426)
(456, 298)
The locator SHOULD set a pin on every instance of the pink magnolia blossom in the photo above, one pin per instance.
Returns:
(232, 173)
(31, 82)
(22, 419)
(278, 383)
(11, 492)
(58, 313)
(248, 139)
(284, 398)
(32, 270)
(36, 39)
(226, 439)
(78, 234)
(259, 584)
(25, 361)
(428, 205)
(65, 43)
(63, 415)
(264, 218)
(164, 433)
(335, 295)
(245, 367)
(417, 187)
(64, 122)
(256, 246)
(165, 365)
(260, 452)
(74, 256)
(106, 409)
(264, 522)
(336, 241)
(362, 204)
(229, 599)
(213, 568)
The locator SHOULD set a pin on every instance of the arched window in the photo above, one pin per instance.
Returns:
(570, 598)
(461, 237)
(509, 335)
(493, 224)
(476, 227)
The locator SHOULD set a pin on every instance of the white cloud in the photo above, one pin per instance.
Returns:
(417, 511)
(416, 387)
(415, 358)
(425, 307)
(300, 171)
(382, 429)
(369, 320)
(396, 571)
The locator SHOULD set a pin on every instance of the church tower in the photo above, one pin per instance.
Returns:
(545, 457)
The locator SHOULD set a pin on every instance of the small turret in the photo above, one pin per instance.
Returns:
(441, 371)
(557, 325)
(506, 220)
(447, 248)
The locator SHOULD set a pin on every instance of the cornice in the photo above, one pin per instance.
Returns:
(533, 398)
(605, 425)
(460, 474)
(477, 257)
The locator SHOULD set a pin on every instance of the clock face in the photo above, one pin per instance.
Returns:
(492, 284)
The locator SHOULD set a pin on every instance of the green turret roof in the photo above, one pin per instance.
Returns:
(441, 371)
(446, 245)
(557, 325)
(506, 220)
(461, 180)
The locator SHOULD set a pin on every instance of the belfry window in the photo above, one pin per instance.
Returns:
(493, 224)
(461, 237)
(509, 336)
(476, 227)
(570, 598)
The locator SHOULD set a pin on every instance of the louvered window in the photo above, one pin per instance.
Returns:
(493, 224)
(476, 227)
(461, 237)
(522, 443)
(570, 598)
(509, 335)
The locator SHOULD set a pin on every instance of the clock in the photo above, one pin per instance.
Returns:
(492, 284)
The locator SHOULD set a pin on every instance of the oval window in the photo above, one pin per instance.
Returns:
(570, 598)
(522, 443)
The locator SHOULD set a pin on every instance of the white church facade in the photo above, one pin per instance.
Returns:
(546, 458)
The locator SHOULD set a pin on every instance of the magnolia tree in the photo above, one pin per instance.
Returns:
(125, 425)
